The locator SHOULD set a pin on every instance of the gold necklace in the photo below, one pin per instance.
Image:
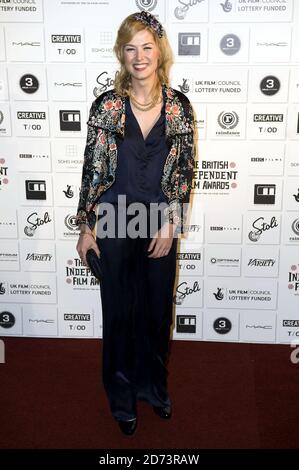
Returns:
(144, 106)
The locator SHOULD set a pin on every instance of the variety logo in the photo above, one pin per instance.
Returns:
(38, 257)
(261, 262)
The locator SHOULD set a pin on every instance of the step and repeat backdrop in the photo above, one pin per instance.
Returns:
(238, 63)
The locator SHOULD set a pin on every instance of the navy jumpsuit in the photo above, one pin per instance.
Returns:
(136, 291)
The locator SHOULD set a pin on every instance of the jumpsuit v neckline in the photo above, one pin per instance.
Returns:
(138, 125)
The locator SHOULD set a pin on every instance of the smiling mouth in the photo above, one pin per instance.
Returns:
(140, 66)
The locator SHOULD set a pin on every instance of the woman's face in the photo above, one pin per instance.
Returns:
(141, 55)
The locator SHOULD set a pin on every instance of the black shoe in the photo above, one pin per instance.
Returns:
(128, 427)
(163, 411)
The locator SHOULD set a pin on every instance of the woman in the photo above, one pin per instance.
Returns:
(140, 145)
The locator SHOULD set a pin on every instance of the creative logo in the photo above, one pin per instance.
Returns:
(293, 278)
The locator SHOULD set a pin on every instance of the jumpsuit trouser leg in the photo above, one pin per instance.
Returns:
(137, 300)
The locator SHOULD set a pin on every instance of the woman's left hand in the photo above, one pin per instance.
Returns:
(162, 241)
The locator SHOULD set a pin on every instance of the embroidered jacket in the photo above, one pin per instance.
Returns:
(106, 118)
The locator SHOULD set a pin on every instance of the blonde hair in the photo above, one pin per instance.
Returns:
(128, 28)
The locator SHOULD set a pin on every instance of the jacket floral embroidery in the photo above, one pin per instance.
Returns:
(106, 119)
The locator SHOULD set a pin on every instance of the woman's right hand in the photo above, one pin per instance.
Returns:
(86, 241)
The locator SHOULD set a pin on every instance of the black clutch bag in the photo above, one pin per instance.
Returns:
(94, 263)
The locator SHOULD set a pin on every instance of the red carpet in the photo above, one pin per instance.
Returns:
(224, 396)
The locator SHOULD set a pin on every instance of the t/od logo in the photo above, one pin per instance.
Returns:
(7, 319)
(222, 325)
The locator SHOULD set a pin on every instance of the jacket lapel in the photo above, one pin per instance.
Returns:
(113, 113)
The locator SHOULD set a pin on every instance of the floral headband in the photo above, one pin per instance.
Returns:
(151, 21)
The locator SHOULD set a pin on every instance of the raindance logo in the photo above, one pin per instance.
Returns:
(228, 120)
(147, 5)
(295, 226)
